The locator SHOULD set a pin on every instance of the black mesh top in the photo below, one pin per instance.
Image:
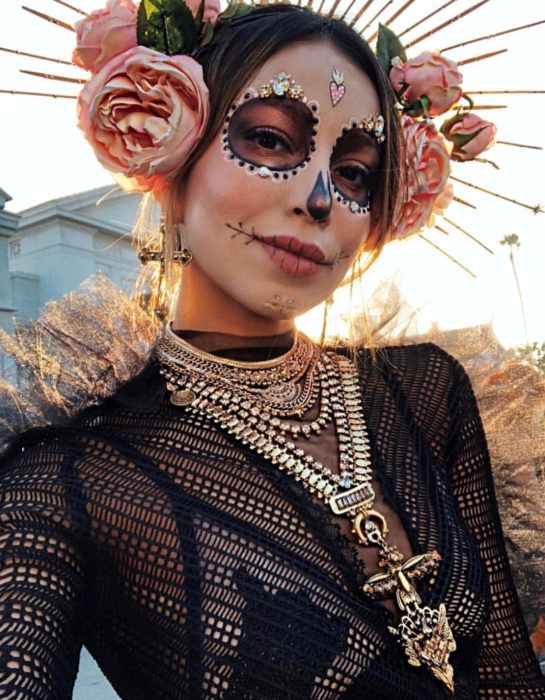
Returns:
(192, 568)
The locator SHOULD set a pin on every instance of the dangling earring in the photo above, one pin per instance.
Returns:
(327, 305)
(184, 256)
(157, 301)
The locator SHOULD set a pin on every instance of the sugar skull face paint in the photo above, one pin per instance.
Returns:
(270, 137)
(263, 240)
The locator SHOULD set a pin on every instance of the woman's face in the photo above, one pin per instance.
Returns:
(277, 207)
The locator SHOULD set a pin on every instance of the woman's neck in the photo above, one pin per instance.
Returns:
(203, 306)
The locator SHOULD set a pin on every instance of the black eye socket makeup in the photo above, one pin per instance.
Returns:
(352, 168)
(272, 137)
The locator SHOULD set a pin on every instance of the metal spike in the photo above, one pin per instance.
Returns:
(320, 8)
(388, 2)
(392, 18)
(38, 94)
(348, 8)
(520, 145)
(491, 36)
(50, 76)
(446, 24)
(449, 256)
(465, 61)
(333, 8)
(504, 92)
(71, 7)
(475, 107)
(35, 55)
(58, 22)
(423, 19)
(464, 202)
(360, 13)
(469, 235)
(537, 209)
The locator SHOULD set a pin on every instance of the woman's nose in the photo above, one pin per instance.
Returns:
(319, 199)
(314, 196)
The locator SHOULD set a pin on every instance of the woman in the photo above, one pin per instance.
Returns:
(197, 531)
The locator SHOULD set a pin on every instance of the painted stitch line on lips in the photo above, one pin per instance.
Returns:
(294, 256)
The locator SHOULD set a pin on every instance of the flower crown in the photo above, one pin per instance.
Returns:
(146, 105)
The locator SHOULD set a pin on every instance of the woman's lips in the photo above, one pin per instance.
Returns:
(293, 256)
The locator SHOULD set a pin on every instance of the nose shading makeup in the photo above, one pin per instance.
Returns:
(319, 200)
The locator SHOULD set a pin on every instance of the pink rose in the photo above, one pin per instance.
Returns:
(104, 34)
(428, 169)
(431, 75)
(469, 134)
(211, 9)
(143, 114)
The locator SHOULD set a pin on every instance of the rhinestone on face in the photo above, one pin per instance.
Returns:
(280, 84)
(263, 171)
(354, 207)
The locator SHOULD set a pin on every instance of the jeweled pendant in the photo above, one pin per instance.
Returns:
(427, 639)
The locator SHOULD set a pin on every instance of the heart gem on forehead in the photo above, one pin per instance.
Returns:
(337, 88)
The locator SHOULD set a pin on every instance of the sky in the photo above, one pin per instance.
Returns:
(43, 156)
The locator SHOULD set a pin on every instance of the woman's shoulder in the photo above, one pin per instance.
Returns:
(144, 393)
(417, 365)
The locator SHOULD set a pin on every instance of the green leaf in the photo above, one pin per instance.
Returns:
(235, 9)
(208, 33)
(388, 47)
(167, 26)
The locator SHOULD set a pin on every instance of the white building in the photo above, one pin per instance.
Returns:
(47, 250)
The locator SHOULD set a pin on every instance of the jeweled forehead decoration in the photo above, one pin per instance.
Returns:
(374, 125)
(282, 85)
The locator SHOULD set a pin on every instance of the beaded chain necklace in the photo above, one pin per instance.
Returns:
(257, 403)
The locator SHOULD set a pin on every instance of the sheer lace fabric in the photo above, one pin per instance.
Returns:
(192, 568)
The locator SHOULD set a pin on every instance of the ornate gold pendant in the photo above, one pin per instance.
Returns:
(427, 639)
(424, 633)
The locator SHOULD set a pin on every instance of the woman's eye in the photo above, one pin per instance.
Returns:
(353, 181)
(268, 140)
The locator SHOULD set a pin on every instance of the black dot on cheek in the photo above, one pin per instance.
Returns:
(338, 198)
(294, 172)
(247, 96)
(285, 176)
(251, 167)
(231, 156)
(241, 163)
(276, 175)
(314, 108)
(315, 120)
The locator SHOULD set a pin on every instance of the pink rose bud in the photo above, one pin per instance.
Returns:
(104, 34)
(429, 75)
(469, 134)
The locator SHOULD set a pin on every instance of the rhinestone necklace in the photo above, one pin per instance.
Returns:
(243, 399)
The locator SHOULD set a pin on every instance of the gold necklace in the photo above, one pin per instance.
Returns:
(423, 632)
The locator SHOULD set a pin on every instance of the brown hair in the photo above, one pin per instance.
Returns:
(242, 46)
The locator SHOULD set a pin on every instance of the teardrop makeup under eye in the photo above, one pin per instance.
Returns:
(354, 161)
(272, 132)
